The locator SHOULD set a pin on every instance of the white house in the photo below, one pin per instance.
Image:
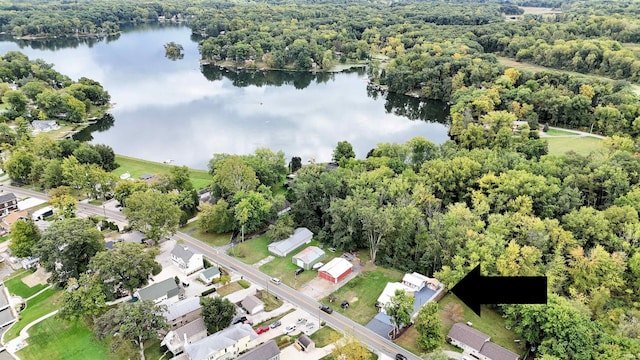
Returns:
(188, 261)
(390, 291)
(300, 237)
(252, 304)
(209, 274)
(225, 344)
(159, 291)
(187, 334)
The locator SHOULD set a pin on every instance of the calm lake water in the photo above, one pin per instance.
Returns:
(179, 110)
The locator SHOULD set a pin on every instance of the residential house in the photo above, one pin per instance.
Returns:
(252, 304)
(225, 344)
(209, 274)
(187, 334)
(8, 220)
(188, 261)
(266, 351)
(30, 262)
(309, 257)
(478, 344)
(8, 203)
(305, 343)
(183, 312)
(283, 248)
(335, 270)
(44, 126)
(163, 290)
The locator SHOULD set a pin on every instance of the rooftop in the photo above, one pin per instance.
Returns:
(211, 272)
(300, 236)
(182, 307)
(496, 352)
(7, 197)
(336, 267)
(265, 351)
(157, 290)
(309, 254)
(468, 335)
(182, 252)
(251, 302)
(202, 349)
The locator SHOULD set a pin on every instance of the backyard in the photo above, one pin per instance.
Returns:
(137, 167)
(362, 293)
(17, 287)
(581, 145)
(252, 250)
(229, 289)
(325, 336)
(46, 302)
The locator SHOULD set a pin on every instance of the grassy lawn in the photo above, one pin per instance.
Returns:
(409, 341)
(270, 301)
(325, 336)
(362, 293)
(211, 239)
(4, 238)
(152, 350)
(229, 288)
(17, 287)
(39, 306)
(558, 132)
(137, 167)
(251, 251)
(581, 145)
(60, 339)
(284, 268)
(490, 323)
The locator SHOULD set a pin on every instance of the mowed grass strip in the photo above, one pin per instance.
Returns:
(137, 167)
(559, 132)
(251, 251)
(362, 293)
(229, 289)
(581, 145)
(491, 323)
(55, 338)
(48, 301)
(17, 287)
(210, 238)
(325, 336)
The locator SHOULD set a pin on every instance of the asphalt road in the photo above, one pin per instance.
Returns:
(301, 301)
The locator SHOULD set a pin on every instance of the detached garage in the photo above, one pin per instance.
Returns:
(308, 257)
(335, 270)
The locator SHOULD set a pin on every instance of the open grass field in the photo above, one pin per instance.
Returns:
(17, 287)
(209, 238)
(270, 301)
(60, 339)
(325, 336)
(490, 323)
(362, 293)
(251, 251)
(581, 145)
(537, 68)
(229, 289)
(558, 132)
(37, 307)
(137, 167)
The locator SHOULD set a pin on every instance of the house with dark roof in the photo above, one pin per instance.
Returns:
(309, 257)
(163, 290)
(225, 344)
(188, 261)
(266, 351)
(477, 343)
(8, 203)
(252, 304)
(187, 334)
(305, 343)
(283, 248)
(183, 312)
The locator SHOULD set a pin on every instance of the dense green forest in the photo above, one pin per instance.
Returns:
(492, 195)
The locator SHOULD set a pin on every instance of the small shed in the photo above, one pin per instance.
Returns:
(252, 304)
(309, 257)
(305, 343)
(209, 274)
(335, 270)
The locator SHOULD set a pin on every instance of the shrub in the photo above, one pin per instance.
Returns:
(244, 284)
(208, 291)
(207, 263)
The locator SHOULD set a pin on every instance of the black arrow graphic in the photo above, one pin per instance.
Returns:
(475, 289)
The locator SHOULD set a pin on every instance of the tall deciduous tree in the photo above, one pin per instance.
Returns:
(350, 348)
(153, 213)
(232, 175)
(216, 218)
(376, 223)
(400, 308)
(282, 229)
(66, 248)
(217, 313)
(83, 297)
(343, 150)
(127, 266)
(252, 211)
(65, 204)
(24, 238)
(429, 327)
(135, 322)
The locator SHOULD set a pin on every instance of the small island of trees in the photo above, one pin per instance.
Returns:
(173, 51)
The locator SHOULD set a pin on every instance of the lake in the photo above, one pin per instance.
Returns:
(178, 110)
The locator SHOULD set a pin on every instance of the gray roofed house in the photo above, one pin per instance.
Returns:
(468, 336)
(306, 343)
(159, 291)
(188, 261)
(187, 334)
(224, 344)
(300, 237)
(252, 304)
(496, 352)
(8, 203)
(183, 311)
(209, 274)
(266, 351)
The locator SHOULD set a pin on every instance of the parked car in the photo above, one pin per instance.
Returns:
(400, 357)
(299, 271)
(262, 329)
(242, 319)
(275, 281)
(301, 321)
(317, 266)
(326, 309)
(275, 324)
(289, 329)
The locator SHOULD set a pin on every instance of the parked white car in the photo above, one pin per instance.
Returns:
(289, 329)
